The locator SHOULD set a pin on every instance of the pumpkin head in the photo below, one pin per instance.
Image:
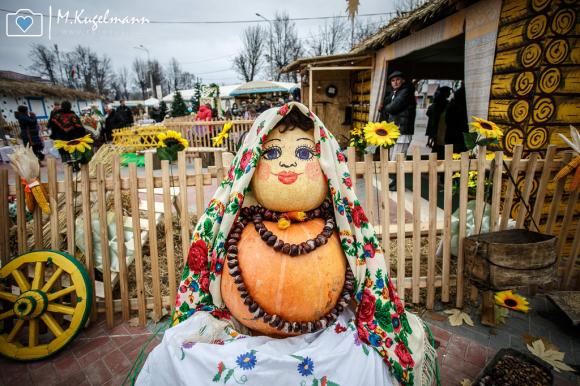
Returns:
(301, 288)
(288, 176)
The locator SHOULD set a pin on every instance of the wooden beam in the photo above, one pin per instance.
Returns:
(333, 68)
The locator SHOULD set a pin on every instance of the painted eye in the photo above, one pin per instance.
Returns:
(304, 153)
(272, 153)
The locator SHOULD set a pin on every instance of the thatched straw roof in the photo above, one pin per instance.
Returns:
(28, 86)
(295, 65)
(419, 18)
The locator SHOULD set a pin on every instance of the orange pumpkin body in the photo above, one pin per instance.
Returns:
(298, 289)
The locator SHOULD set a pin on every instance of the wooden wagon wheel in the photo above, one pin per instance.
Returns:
(40, 317)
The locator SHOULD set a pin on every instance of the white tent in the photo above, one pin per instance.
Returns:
(151, 102)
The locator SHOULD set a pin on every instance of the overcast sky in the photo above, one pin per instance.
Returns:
(206, 50)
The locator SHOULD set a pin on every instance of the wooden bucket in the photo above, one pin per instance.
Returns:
(510, 258)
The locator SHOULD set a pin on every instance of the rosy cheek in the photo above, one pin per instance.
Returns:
(313, 171)
(263, 171)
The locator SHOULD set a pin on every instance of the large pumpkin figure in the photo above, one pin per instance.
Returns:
(288, 290)
(284, 249)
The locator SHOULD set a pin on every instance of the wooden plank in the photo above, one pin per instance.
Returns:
(568, 218)
(70, 208)
(509, 196)
(400, 221)
(496, 191)
(369, 190)
(168, 222)
(37, 225)
(463, 197)
(153, 250)
(556, 198)
(416, 263)
(480, 190)
(184, 214)
(4, 231)
(528, 183)
(199, 199)
(53, 200)
(572, 257)
(219, 164)
(432, 238)
(138, 252)
(351, 163)
(20, 216)
(447, 202)
(121, 251)
(386, 208)
(543, 184)
(88, 233)
(106, 258)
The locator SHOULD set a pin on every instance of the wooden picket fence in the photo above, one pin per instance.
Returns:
(200, 133)
(165, 199)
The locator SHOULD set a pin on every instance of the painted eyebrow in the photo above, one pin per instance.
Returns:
(272, 139)
(307, 139)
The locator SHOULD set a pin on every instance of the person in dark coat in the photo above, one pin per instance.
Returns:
(456, 121)
(113, 121)
(66, 126)
(125, 114)
(49, 124)
(436, 126)
(30, 131)
(399, 106)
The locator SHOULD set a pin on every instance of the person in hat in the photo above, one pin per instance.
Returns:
(399, 106)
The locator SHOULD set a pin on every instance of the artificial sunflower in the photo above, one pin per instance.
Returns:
(381, 133)
(486, 128)
(74, 145)
(171, 138)
(512, 301)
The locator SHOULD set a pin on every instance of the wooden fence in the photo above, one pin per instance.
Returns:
(156, 205)
(200, 133)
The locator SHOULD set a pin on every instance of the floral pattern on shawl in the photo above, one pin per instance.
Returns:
(381, 318)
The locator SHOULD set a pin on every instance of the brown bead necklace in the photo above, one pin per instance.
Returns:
(256, 215)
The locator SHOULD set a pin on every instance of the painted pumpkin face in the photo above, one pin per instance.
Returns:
(288, 176)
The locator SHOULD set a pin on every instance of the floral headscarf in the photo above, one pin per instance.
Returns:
(382, 322)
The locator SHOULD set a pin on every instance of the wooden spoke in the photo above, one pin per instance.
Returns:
(8, 296)
(52, 324)
(15, 330)
(61, 309)
(38, 275)
(33, 333)
(60, 293)
(6, 314)
(21, 280)
(55, 276)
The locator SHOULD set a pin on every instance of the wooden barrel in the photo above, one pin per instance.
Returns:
(510, 258)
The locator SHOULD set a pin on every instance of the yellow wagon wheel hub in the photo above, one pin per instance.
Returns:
(45, 299)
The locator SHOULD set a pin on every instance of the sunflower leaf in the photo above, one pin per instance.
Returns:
(501, 313)
(458, 317)
(552, 357)
(470, 140)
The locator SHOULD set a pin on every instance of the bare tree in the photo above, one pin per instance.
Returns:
(363, 30)
(141, 75)
(101, 71)
(248, 62)
(123, 80)
(157, 74)
(44, 62)
(332, 38)
(173, 74)
(286, 46)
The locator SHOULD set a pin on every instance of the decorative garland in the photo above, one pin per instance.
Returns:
(256, 215)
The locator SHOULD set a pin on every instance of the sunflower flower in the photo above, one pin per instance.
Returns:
(513, 301)
(74, 145)
(486, 128)
(170, 138)
(381, 133)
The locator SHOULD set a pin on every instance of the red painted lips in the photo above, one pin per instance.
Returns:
(287, 178)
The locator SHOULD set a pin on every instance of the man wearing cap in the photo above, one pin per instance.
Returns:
(399, 107)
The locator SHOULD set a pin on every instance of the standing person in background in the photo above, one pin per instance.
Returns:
(112, 121)
(456, 121)
(436, 126)
(30, 131)
(55, 108)
(204, 113)
(125, 114)
(399, 106)
(66, 126)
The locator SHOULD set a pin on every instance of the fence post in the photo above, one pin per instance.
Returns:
(153, 250)
(416, 262)
(4, 239)
(121, 251)
(88, 231)
(446, 223)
